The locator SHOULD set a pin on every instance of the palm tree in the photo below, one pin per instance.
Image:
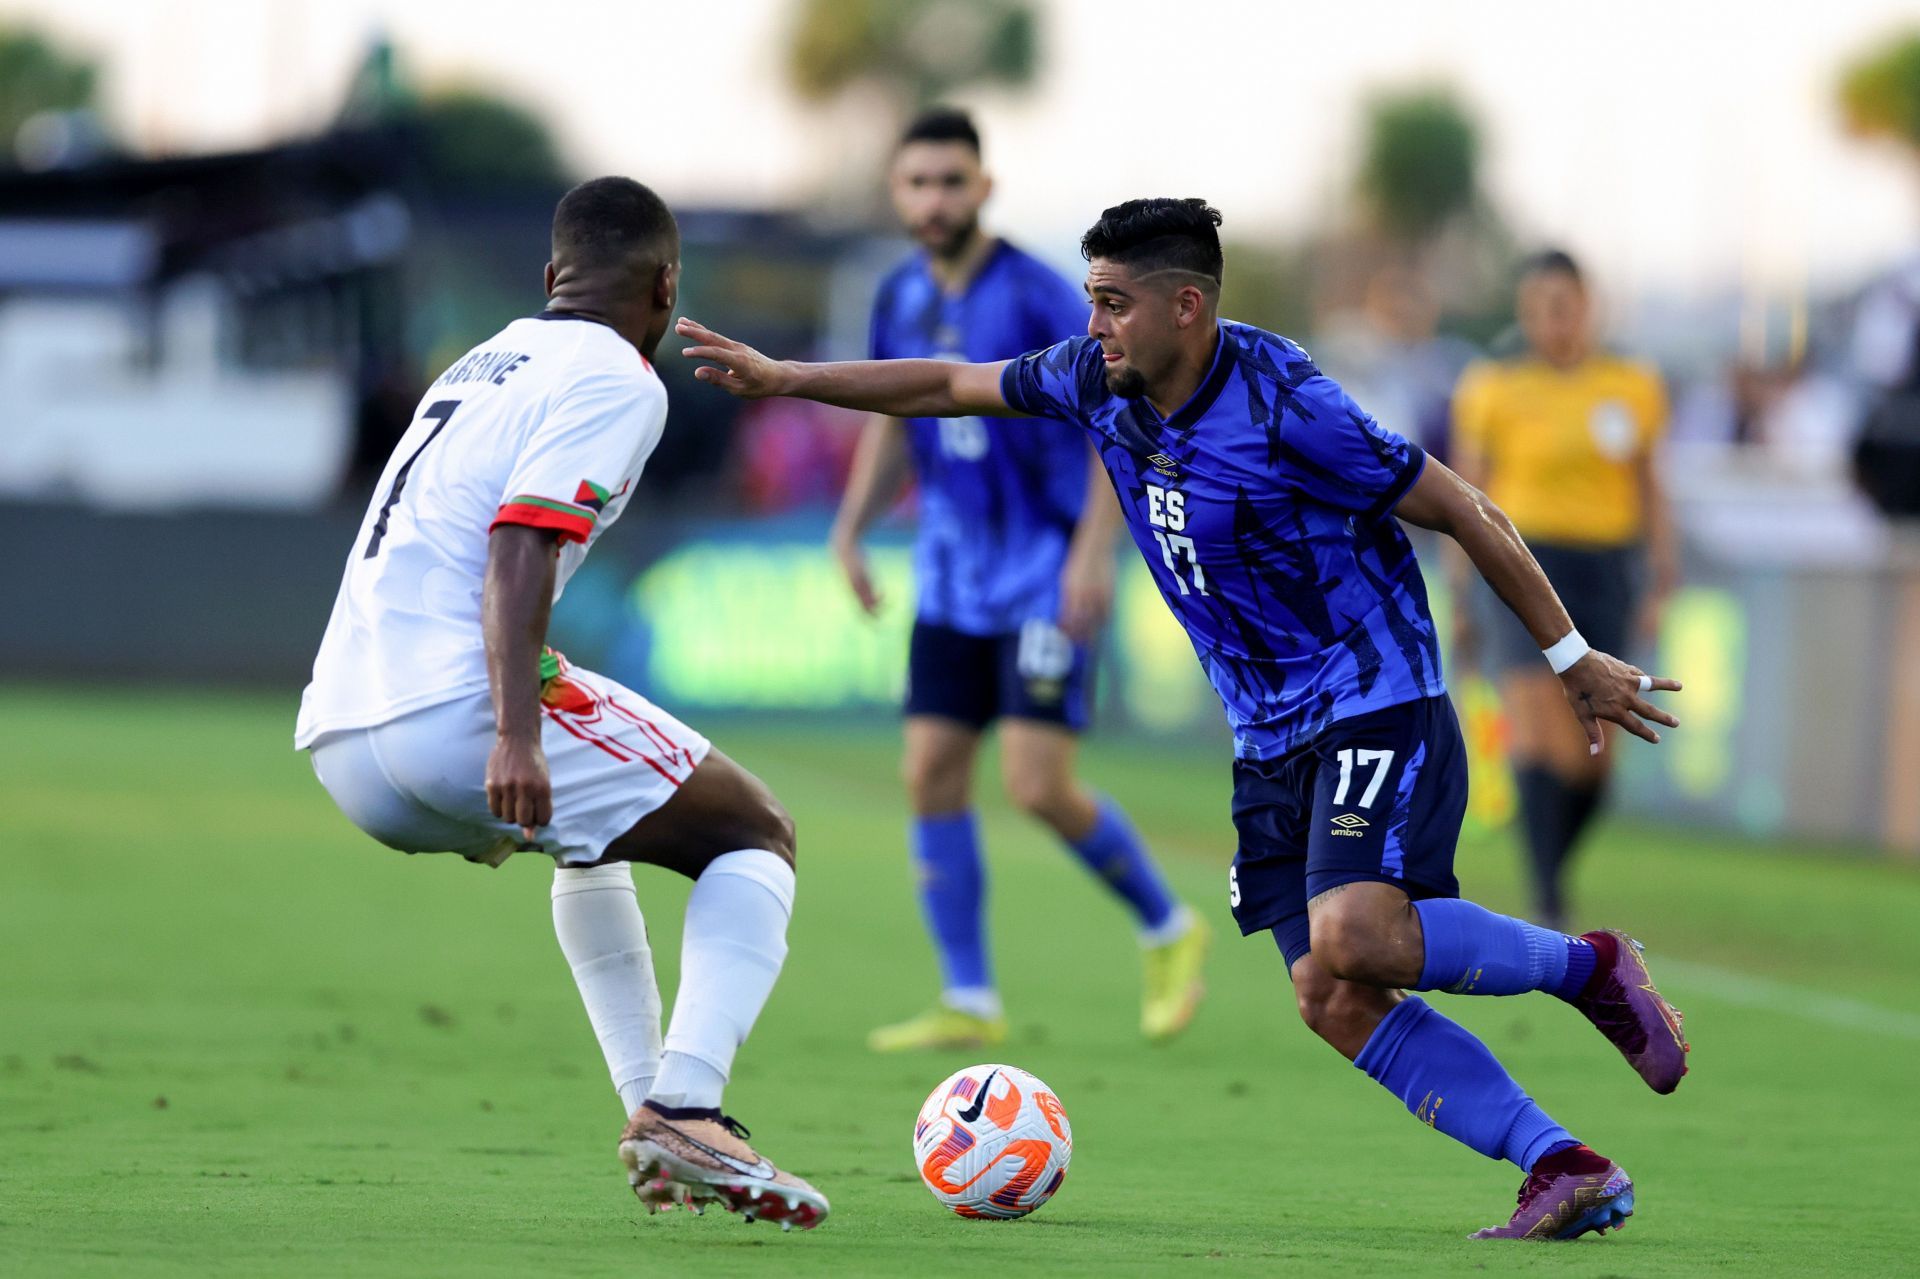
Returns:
(1880, 91)
(1419, 169)
(37, 78)
(916, 50)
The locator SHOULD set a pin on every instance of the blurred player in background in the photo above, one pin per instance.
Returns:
(1563, 438)
(1263, 500)
(439, 722)
(1014, 563)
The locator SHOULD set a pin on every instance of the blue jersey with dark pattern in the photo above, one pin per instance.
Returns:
(999, 497)
(1263, 508)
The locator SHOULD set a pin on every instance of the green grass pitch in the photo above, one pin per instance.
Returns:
(237, 1037)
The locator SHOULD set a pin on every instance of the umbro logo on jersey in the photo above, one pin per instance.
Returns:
(1350, 824)
(1163, 464)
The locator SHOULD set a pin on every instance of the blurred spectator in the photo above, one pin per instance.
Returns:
(1774, 403)
(1886, 356)
(1391, 357)
(793, 454)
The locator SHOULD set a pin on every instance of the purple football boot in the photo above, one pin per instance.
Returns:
(1566, 1195)
(1621, 1001)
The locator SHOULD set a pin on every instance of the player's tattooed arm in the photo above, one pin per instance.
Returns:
(899, 388)
(1599, 686)
(514, 603)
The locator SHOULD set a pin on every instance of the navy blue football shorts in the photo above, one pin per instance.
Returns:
(1036, 673)
(1377, 797)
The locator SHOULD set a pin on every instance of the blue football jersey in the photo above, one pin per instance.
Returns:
(999, 497)
(1263, 506)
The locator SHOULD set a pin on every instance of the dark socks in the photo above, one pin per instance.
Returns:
(1554, 814)
(1543, 824)
(1582, 803)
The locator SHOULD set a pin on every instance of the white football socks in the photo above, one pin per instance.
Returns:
(735, 942)
(597, 918)
(977, 1001)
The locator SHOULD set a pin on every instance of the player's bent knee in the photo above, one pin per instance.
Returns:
(1345, 1017)
(784, 839)
(1346, 944)
(1040, 797)
(935, 783)
(770, 826)
(1340, 1012)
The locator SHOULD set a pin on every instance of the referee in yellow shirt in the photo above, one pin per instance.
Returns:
(1562, 437)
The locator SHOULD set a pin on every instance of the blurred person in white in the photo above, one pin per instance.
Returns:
(439, 722)
(1785, 415)
(1391, 356)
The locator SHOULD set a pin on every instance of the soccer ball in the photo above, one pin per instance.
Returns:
(992, 1142)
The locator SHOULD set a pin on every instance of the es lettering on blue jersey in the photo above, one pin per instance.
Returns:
(999, 498)
(1263, 507)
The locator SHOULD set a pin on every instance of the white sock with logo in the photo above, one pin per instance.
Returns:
(596, 916)
(735, 942)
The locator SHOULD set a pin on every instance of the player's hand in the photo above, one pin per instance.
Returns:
(735, 367)
(853, 562)
(1086, 594)
(1602, 687)
(518, 790)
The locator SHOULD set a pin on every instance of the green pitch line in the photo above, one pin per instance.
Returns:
(237, 1038)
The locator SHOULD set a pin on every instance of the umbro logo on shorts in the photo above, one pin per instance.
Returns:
(1350, 824)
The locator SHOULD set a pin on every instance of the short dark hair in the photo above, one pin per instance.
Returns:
(1551, 262)
(1160, 234)
(604, 220)
(942, 124)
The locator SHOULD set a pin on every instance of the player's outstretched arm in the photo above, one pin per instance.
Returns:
(515, 600)
(1599, 686)
(899, 388)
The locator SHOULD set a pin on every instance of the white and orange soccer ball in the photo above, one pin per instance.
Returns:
(992, 1142)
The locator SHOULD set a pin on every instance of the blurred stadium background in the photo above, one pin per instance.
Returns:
(237, 240)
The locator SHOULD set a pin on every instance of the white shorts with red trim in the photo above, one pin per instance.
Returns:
(418, 783)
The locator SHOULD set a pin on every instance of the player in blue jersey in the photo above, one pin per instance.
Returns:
(1014, 567)
(1264, 500)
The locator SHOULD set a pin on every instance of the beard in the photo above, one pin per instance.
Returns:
(951, 245)
(1128, 384)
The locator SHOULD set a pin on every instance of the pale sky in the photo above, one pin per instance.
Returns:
(1680, 146)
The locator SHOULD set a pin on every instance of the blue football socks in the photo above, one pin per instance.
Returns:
(1449, 1081)
(952, 890)
(1113, 850)
(1472, 951)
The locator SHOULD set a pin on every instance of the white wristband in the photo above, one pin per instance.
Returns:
(1569, 649)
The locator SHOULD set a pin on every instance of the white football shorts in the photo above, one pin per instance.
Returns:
(418, 783)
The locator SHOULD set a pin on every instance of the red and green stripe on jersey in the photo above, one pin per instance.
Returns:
(573, 521)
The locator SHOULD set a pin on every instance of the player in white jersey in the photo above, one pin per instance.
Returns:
(439, 722)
